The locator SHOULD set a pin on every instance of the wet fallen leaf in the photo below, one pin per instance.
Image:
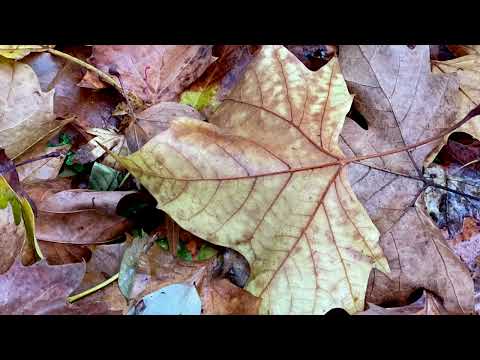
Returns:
(271, 147)
(154, 73)
(403, 104)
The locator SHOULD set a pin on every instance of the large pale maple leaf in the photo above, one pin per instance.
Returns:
(267, 178)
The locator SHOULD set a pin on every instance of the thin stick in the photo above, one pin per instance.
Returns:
(74, 298)
(51, 155)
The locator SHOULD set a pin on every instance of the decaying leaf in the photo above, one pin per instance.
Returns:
(448, 209)
(18, 52)
(428, 304)
(42, 289)
(77, 216)
(26, 112)
(266, 179)
(154, 73)
(403, 104)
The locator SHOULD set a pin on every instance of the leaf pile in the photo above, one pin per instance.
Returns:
(239, 179)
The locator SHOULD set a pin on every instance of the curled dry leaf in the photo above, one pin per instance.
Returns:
(77, 216)
(428, 304)
(403, 104)
(26, 112)
(266, 179)
(154, 73)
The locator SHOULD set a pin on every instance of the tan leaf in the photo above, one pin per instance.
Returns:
(403, 104)
(77, 216)
(265, 178)
(42, 170)
(428, 304)
(154, 73)
(26, 112)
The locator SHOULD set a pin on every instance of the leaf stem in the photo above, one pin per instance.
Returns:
(103, 284)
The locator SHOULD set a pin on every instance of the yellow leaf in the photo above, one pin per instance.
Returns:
(17, 52)
(17, 226)
(199, 99)
(266, 179)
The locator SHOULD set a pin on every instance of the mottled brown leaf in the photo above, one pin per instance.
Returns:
(93, 108)
(154, 73)
(403, 104)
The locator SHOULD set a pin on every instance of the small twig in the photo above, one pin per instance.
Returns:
(426, 181)
(51, 155)
(74, 298)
